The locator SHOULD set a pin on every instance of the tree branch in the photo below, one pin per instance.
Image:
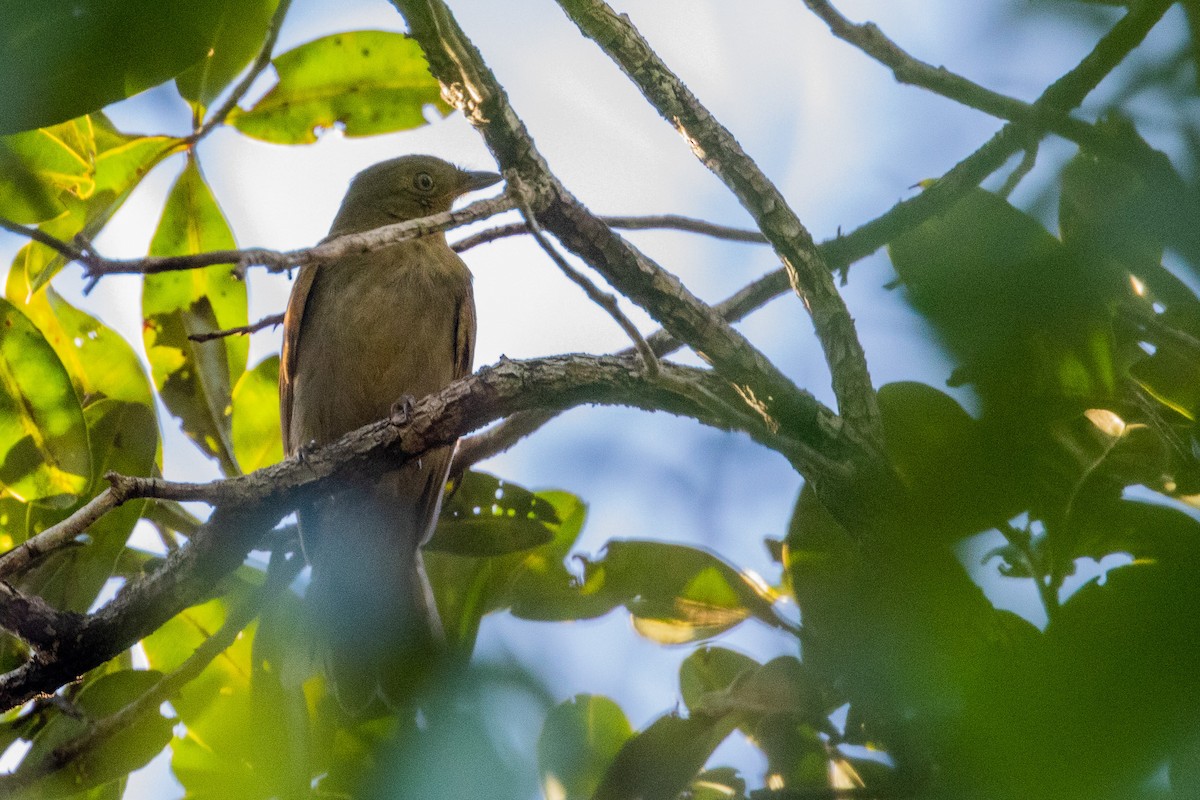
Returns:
(646, 223)
(247, 507)
(268, 321)
(96, 266)
(718, 150)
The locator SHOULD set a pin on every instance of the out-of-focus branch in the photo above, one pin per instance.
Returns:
(718, 150)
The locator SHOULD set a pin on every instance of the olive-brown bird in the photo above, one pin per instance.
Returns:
(360, 335)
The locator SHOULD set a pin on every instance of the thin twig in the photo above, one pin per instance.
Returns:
(23, 555)
(97, 266)
(603, 299)
(241, 330)
(1028, 162)
(261, 61)
(640, 223)
(717, 149)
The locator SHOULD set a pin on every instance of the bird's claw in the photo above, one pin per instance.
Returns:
(402, 410)
(305, 450)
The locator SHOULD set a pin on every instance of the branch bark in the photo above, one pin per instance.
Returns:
(249, 506)
(718, 150)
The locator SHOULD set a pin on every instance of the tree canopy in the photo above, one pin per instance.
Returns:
(1067, 433)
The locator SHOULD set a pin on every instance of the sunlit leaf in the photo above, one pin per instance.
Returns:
(257, 439)
(195, 379)
(43, 436)
(486, 516)
(124, 439)
(61, 60)
(579, 740)
(120, 161)
(101, 363)
(37, 166)
(363, 82)
(676, 593)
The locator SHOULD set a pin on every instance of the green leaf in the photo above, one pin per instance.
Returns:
(62, 60)
(43, 436)
(36, 166)
(486, 516)
(126, 750)
(257, 440)
(676, 593)
(101, 363)
(579, 740)
(365, 82)
(195, 379)
(659, 762)
(533, 584)
(1028, 323)
(234, 39)
(124, 439)
(711, 669)
(237, 742)
(119, 163)
(720, 783)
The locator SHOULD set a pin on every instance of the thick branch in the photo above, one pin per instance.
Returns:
(247, 507)
(717, 148)
(468, 84)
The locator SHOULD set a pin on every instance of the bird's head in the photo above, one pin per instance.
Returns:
(404, 188)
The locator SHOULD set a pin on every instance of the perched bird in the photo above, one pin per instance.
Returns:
(361, 335)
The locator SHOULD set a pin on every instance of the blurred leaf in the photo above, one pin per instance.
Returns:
(485, 516)
(43, 436)
(126, 750)
(579, 740)
(124, 439)
(721, 783)
(711, 669)
(119, 162)
(62, 60)
(238, 743)
(1026, 321)
(235, 37)
(676, 593)
(661, 761)
(364, 82)
(257, 440)
(195, 379)
(1172, 377)
(781, 686)
(472, 741)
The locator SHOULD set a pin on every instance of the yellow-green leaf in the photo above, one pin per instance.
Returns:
(257, 440)
(365, 82)
(43, 437)
(119, 162)
(195, 379)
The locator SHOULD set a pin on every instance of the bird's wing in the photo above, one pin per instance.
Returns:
(292, 320)
(464, 334)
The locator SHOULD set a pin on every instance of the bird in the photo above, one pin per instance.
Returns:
(364, 336)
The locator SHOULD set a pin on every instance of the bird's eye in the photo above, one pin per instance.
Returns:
(423, 181)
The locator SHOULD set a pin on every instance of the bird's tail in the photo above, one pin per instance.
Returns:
(375, 620)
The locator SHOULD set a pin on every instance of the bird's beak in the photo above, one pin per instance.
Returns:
(478, 180)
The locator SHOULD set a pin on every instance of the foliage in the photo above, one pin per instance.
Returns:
(1080, 350)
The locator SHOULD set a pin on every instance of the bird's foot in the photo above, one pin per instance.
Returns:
(305, 450)
(402, 410)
